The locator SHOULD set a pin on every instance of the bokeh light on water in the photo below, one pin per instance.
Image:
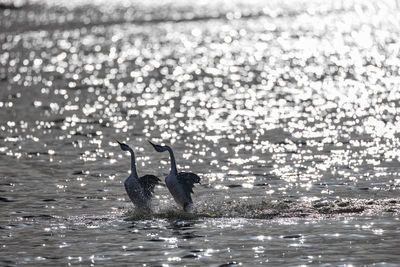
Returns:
(284, 109)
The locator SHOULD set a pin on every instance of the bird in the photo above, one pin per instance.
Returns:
(181, 184)
(139, 190)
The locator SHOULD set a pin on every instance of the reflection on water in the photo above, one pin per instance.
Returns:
(289, 113)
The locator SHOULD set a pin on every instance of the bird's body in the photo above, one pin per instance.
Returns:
(180, 185)
(175, 188)
(139, 190)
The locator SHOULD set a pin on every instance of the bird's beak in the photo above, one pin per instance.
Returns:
(151, 143)
(118, 142)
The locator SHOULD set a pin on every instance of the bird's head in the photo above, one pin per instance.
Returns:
(123, 146)
(158, 148)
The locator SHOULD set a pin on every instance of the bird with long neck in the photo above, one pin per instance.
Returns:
(181, 184)
(139, 190)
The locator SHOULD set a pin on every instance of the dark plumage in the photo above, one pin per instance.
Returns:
(148, 182)
(188, 179)
(139, 190)
(180, 185)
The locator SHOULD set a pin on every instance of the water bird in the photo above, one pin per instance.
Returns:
(181, 184)
(140, 190)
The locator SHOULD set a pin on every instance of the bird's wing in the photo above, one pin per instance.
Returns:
(188, 179)
(148, 182)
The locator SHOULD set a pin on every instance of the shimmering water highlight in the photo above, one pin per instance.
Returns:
(288, 111)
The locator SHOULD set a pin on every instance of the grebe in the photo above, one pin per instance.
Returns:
(139, 190)
(181, 184)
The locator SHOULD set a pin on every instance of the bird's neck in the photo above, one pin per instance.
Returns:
(173, 164)
(133, 164)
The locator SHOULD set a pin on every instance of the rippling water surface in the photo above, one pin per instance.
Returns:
(288, 111)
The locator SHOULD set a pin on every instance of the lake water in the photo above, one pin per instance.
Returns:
(289, 113)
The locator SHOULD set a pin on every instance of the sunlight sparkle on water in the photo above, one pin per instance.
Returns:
(283, 110)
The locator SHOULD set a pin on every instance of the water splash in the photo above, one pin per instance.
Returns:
(274, 210)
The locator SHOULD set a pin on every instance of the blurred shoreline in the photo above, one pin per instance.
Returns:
(21, 16)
